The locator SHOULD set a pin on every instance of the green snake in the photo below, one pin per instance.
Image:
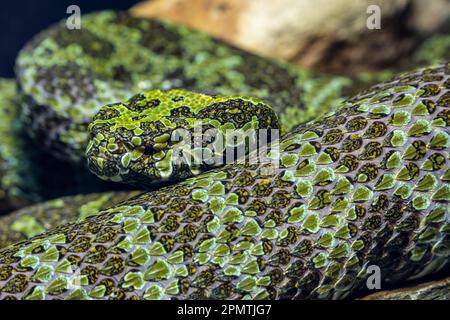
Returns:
(365, 183)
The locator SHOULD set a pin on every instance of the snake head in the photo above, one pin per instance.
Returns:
(159, 136)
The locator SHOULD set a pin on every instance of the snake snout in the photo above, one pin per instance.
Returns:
(104, 157)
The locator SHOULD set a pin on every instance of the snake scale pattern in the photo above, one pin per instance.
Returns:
(365, 183)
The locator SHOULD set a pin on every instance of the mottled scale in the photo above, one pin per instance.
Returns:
(309, 227)
(35, 219)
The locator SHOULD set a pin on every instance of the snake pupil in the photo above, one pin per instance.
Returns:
(149, 151)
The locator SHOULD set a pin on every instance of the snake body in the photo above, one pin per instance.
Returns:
(35, 219)
(365, 184)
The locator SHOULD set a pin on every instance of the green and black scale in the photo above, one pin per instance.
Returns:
(365, 184)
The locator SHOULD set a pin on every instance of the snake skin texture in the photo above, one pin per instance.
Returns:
(66, 75)
(33, 220)
(365, 185)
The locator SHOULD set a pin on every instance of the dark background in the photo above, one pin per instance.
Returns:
(20, 20)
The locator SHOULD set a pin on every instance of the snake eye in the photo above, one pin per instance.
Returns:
(149, 151)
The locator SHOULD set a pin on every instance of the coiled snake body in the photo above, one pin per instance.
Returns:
(365, 184)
